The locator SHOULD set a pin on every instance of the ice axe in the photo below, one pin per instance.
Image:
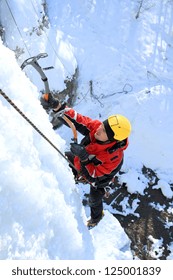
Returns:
(33, 61)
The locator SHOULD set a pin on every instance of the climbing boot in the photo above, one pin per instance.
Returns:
(92, 223)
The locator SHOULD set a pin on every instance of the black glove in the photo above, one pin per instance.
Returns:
(61, 108)
(79, 150)
(48, 101)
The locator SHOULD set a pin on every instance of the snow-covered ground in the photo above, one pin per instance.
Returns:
(129, 60)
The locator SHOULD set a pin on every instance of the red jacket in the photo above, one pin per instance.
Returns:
(105, 159)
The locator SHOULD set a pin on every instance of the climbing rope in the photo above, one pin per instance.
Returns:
(33, 125)
(126, 89)
(80, 176)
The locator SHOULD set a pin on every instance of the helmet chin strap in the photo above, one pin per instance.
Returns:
(105, 142)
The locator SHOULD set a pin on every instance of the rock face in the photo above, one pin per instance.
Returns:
(147, 219)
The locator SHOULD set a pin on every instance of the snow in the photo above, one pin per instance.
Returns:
(156, 246)
(165, 188)
(130, 63)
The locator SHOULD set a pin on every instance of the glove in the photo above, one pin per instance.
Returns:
(48, 101)
(56, 117)
(79, 150)
(61, 108)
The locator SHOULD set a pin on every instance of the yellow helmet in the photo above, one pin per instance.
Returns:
(117, 127)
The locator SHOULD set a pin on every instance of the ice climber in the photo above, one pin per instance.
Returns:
(99, 156)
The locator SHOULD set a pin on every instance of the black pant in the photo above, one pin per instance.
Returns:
(96, 198)
(96, 203)
(96, 194)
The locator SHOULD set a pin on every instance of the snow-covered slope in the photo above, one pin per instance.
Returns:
(129, 61)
